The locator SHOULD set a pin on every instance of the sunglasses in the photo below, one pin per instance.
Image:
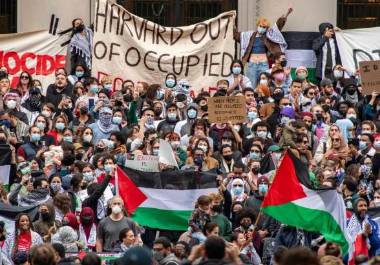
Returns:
(24, 77)
(335, 140)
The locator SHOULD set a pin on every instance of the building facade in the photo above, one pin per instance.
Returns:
(32, 15)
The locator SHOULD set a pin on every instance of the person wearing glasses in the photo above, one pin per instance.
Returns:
(338, 150)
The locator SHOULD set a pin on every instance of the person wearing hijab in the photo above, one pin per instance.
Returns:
(67, 234)
(103, 127)
(87, 228)
(362, 225)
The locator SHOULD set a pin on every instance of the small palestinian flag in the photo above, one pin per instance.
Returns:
(292, 201)
(8, 215)
(300, 51)
(163, 200)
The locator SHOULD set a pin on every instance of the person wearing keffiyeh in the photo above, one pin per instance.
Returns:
(81, 44)
(103, 127)
(361, 224)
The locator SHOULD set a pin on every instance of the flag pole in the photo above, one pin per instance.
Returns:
(261, 208)
(117, 180)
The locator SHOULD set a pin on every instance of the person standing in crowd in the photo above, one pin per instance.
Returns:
(255, 45)
(109, 228)
(327, 51)
(22, 239)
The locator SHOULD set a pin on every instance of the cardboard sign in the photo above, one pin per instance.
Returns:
(225, 109)
(370, 75)
(130, 47)
(145, 163)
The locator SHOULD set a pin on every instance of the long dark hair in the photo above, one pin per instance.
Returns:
(17, 229)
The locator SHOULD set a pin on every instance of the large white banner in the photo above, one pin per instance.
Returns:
(356, 45)
(38, 53)
(129, 47)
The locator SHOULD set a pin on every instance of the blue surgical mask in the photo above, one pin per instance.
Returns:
(117, 120)
(88, 176)
(108, 168)
(191, 114)
(60, 126)
(68, 139)
(108, 86)
(94, 89)
(252, 115)
(79, 74)
(263, 188)
(35, 137)
(237, 190)
(255, 156)
(261, 30)
(362, 145)
(160, 94)
(376, 144)
(172, 116)
(236, 70)
(156, 152)
(170, 83)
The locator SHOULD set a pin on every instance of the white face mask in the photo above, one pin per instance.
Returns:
(116, 209)
(11, 104)
(46, 113)
(263, 81)
(87, 138)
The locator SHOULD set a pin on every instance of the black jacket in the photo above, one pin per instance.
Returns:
(54, 97)
(318, 49)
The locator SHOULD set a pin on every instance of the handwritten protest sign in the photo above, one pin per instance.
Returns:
(225, 109)
(370, 75)
(145, 163)
(129, 47)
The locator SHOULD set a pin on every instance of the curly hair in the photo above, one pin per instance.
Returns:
(63, 202)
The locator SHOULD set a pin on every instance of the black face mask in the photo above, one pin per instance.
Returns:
(283, 63)
(326, 108)
(217, 208)
(204, 108)
(227, 157)
(351, 90)
(45, 216)
(86, 220)
(255, 170)
(319, 116)
(78, 29)
(83, 111)
(157, 112)
(99, 150)
(277, 97)
(245, 225)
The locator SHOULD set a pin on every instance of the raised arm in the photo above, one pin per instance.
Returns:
(282, 20)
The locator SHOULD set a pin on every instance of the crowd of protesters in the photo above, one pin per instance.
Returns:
(66, 140)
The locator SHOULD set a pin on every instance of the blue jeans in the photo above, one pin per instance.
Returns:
(254, 70)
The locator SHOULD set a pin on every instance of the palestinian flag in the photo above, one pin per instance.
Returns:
(5, 164)
(163, 200)
(300, 51)
(8, 215)
(292, 201)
